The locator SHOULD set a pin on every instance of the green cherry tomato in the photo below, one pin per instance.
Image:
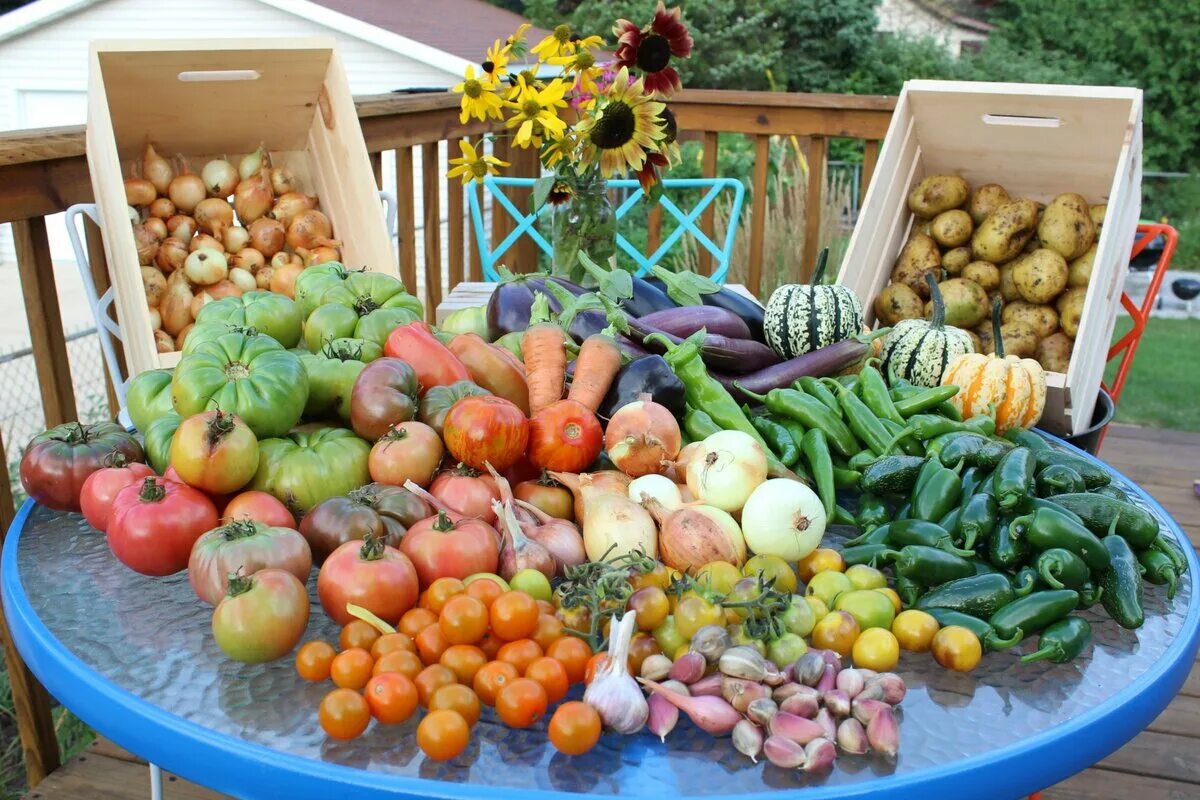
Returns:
(870, 608)
(828, 585)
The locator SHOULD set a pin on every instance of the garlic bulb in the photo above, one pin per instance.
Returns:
(613, 692)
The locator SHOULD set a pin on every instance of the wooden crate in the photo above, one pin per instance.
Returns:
(1037, 141)
(222, 99)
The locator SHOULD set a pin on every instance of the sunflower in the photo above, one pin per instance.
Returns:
(624, 129)
(650, 49)
(478, 98)
(561, 41)
(473, 166)
(535, 112)
(495, 62)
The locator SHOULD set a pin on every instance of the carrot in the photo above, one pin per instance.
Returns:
(598, 363)
(545, 357)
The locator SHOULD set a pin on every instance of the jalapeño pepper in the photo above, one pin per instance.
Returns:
(816, 451)
(977, 520)
(811, 413)
(984, 632)
(1060, 568)
(1034, 612)
(1135, 525)
(698, 424)
(1046, 528)
(1006, 551)
(863, 422)
(1013, 478)
(870, 554)
(1089, 595)
(1026, 438)
(777, 438)
(922, 399)
(931, 566)
(872, 512)
(1122, 584)
(908, 590)
(1062, 641)
(938, 495)
(1058, 479)
(902, 438)
(873, 390)
(891, 475)
(1160, 570)
(1024, 582)
(905, 532)
(977, 595)
(814, 388)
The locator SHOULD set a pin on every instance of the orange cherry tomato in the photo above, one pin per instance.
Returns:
(573, 654)
(406, 663)
(431, 643)
(391, 643)
(351, 669)
(456, 697)
(442, 590)
(514, 615)
(549, 630)
(485, 591)
(520, 653)
(358, 633)
(464, 661)
(443, 734)
(429, 680)
(464, 620)
(490, 644)
(552, 675)
(344, 714)
(392, 697)
(313, 661)
(521, 703)
(593, 664)
(416, 620)
(575, 728)
(491, 678)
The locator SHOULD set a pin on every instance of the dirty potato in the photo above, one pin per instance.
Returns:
(936, 194)
(1070, 310)
(919, 255)
(897, 302)
(985, 273)
(1079, 271)
(1054, 352)
(985, 200)
(952, 228)
(1042, 319)
(1066, 226)
(1040, 276)
(1000, 237)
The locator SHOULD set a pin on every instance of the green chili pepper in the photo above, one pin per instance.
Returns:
(1006, 551)
(1089, 595)
(777, 438)
(816, 451)
(1122, 584)
(813, 387)
(1060, 568)
(934, 499)
(908, 590)
(846, 478)
(872, 512)
(977, 520)
(1046, 528)
(1034, 612)
(870, 554)
(902, 439)
(1024, 581)
(1013, 478)
(1059, 479)
(1171, 550)
(1062, 641)
(977, 595)
(873, 390)
(891, 475)
(923, 400)
(1160, 570)
(811, 413)
(905, 532)
(842, 516)
(698, 424)
(931, 566)
(877, 536)
(865, 425)
(987, 636)
(1136, 525)
(1026, 438)
(1092, 473)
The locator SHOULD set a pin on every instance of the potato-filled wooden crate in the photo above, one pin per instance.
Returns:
(223, 99)
(1037, 141)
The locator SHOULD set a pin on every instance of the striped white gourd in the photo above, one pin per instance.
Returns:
(800, 318)
(918, 350)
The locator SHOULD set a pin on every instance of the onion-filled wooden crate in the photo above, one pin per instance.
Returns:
(223, 100)
(1037, 141)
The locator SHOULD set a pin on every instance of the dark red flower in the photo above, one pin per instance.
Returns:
(651, 49)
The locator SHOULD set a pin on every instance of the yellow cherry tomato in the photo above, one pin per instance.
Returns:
(956, 648)
(914, 630)
(876, 649)
(828, 585)
(866, 577)
(818, 607)
(820, 560)
(837, 631)
(774, 570)
(720, 576)
(890, 593)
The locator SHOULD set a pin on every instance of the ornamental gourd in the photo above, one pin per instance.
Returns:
(801, 318)
(919, 350)
(1014, 387)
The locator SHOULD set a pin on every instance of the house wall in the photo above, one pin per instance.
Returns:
(907, 17)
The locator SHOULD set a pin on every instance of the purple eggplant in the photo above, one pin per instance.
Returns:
(685, 321)
(818, 363)
(509, 306)
(721, 353)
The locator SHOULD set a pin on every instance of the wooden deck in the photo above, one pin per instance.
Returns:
(1160, 764)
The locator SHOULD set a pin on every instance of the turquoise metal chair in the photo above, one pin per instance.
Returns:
(688, 221)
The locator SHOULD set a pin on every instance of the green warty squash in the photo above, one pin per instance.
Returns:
(800, 317)
(918, 350)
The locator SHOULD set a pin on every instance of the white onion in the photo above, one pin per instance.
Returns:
(784, 518)
(660, 487)
(729, 466)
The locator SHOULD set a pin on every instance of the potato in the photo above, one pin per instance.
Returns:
(1066, 226)
(1097, 213)
(966, 302)
(154, 284)
(1070, 310)
(952, 228)
(954, 260)
(1079, 271)
(985, 273)
(974, 339)
(1054, 352)
(919, 255)
(1040, 276)
(1008, 287)
(936, 194)
(897, 302)
(1019, 339)
(1042, 319)
(983, 332)
(985, 200)
(1000, 237)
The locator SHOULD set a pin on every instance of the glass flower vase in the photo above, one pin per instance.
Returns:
(584, 222)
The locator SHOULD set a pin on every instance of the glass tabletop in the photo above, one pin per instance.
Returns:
(151, 638)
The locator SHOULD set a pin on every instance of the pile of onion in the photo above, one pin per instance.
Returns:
(642, 435)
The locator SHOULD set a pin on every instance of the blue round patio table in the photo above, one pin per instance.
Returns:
(133, 657)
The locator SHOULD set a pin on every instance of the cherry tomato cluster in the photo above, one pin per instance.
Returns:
(463, 647)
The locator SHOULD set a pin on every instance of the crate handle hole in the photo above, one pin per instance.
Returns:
(200, 76)
(1025, 122)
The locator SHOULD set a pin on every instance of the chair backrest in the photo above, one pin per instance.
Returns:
(687, 221)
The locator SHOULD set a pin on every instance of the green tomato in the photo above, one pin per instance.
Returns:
(799, 618)
(512, 342)
(158, 435)
(272, 314)
(467, 320)
(786, 649)
(308, 466)
(870, 608)
(330, 383)
(532, 583)
(149, 397)
(326, 323)
(827, 585)
(863, 576)
(250, 376)
(668, 636)
(377, 326)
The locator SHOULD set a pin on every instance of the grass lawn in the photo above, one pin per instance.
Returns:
(1163, 386)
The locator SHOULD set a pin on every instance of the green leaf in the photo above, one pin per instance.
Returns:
(541, 190)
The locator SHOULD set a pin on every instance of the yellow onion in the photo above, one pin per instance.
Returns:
(319, 255)
(282, 180)
(252, 197)
(267, 236)
(694, 535)
(156, 226)
(263, 277)
(163, 343)
(186, 191)
(214, 215)
(235, 237)
(147, 244)
(251, 164)
(205, 241)
(182, 227)
(162, 208)
(157, 169)
(155, 286)
(310, 229)
(171, 254)
(139, 192)
(248, 259)
(243, 279)
(288, 205)
(219, 177)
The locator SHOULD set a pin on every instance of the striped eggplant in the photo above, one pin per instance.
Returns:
(918, 350)
(801, 318)
(687, 320)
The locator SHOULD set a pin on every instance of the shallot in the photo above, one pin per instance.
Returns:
(710, 714)
(642, 435)
(613, 692)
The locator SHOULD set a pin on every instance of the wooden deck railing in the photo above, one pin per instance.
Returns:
(42, 172)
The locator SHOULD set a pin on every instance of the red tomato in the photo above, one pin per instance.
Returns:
(153, 525)
(467, 491)
(449, 545)
(410, 451)
(483, 430)
(564, 436)
(101, 487)
(215, 452)
(549, 495)
(370, 574)
(260, 507)
(263, 616)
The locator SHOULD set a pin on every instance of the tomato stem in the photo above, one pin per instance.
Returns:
(152, 491)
